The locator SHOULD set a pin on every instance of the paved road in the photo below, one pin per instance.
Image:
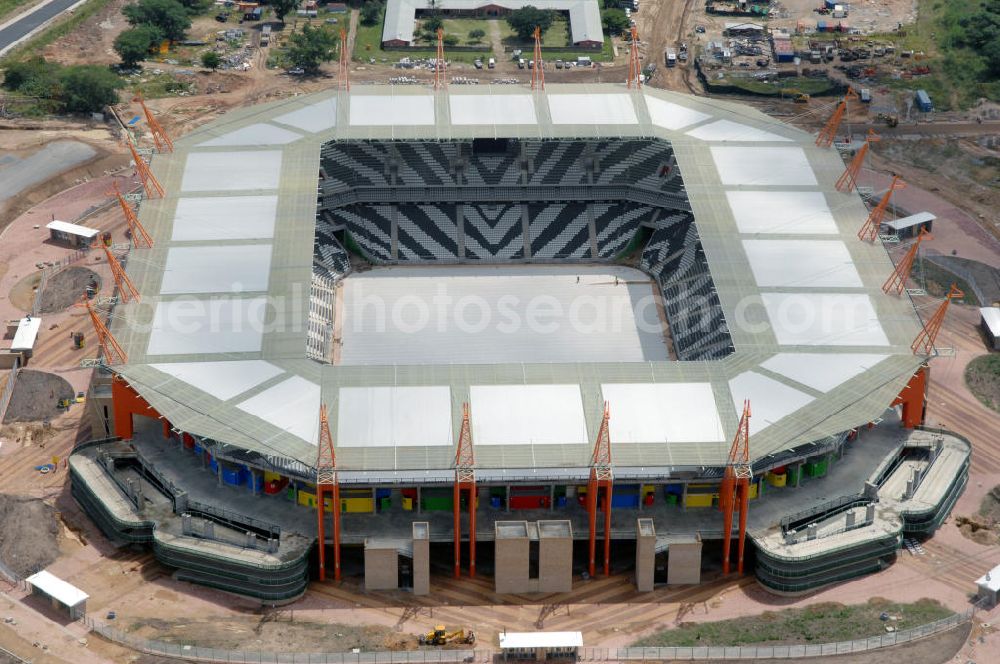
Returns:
(22, 26)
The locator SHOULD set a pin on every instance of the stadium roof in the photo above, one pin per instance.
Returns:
(819, 347)
(584, 15)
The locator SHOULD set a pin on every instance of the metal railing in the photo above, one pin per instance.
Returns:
(664, 653)
(8, 388)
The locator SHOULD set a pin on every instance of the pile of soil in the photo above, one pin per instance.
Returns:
(982, 376)
(984, 527)
(28, 539)
(66, 288)
(36, 396)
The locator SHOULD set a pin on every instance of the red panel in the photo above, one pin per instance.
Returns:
(126, 402)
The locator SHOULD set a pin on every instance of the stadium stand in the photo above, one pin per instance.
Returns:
(616, 225)
(493, 232)
(427, 232)
(559, 230)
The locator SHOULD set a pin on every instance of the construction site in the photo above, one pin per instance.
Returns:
(399, 347)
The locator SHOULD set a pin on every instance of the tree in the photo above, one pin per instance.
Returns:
(523, 21)
(312, 47)
(282, 7)
(431, 24)
(449, 40)
(614, 21)
(211, 60)
(89, 88)
(35, 77)
(133, 45)
(476, 35)
(371, 12)
(168, 15)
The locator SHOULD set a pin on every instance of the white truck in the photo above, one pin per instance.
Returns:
(670, 57)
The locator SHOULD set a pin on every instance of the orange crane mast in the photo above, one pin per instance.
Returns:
(327, 484)
(634, 68)
(601, 479)
(149, 181)
(136, 229)
(849, 180)
(110, 348)
(734, 492)
(924, 343)
(126, 289)
(343, 72)
(829, 131)
(160, 138)
(869, 231)
(897, 280)
(465, 480)
(538, 71)
(440, 76)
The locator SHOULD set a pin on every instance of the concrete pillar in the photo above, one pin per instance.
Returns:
(218, 472)
(251, 540)
(850, 519)
(811, 531)
(684, 562)
(552, 497)
(555, 556)
(418, 500)
(273, 544)
(421, 558)
(186, 524)
(253, 482)
(381, 565)
(798, 475)
(870, 513)
(208, 532)
(180, 502)
(506, 502)
(511, 553)
(684, 496)
(645, 554)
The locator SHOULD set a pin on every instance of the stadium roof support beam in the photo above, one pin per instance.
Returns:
(634, 68)
(160, 138)
(110, 348)
(327, 484)
(849, 180)
(126, 289)
(149, 181)
(897, 280)
(601, 478)
(343, 70)
(465, 480)
(734, 492)
(869, 231)
(829, 131)
(538, 71)
(913, 399)
(924, 343)
(440, 76)
(135, 228)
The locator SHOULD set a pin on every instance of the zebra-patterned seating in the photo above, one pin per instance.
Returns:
(330, 259)
(370, 226)
(427, 232)
(559, 230)
(616, 224)
(493, 232)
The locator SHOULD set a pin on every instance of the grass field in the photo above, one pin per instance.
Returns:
(820, 623)
(59, 29)
(368, 44)
(10, 6)
(461, 27)
(787, 87)
(982, 376)
(937, 281)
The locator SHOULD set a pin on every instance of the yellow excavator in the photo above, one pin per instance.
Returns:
(440, 636)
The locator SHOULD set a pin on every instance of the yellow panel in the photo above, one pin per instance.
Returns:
(777, 479)
(408, 504)
(648, 488)
(699, 499)
(307, 499)
(753, 491)
(357, 504)
(271, 477)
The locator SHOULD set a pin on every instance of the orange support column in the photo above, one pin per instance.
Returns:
(166, 429)
(126, 402)
(457, 514)
(913, 399)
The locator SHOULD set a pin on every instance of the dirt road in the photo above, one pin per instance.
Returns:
(664, 23)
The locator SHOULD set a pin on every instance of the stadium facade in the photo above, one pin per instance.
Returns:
(279, 219)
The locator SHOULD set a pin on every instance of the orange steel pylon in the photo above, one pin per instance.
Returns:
(149, 181)
(897, 280)
(734, 492)
(440, 77)
(601, 478)
(465, 480)
(126, 289)
(924, 343)
(538, 72)
(829, 131)
(160, 138)
(343, 71)
(870, 230)
(131, 219)
(634, 68)
(849, 180)
(327, 485)
(110, 348)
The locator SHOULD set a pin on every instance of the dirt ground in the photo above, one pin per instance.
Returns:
(36, 395)
(66, 288)
(28, 536)
(22, 295)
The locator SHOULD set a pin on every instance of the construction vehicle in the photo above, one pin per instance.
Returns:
(440, 636)
(801, 98)
(890, 119)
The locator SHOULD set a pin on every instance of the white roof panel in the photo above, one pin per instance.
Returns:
(26, 333)
(672, 116)
(312, 118)
(823, 319)
(222, 380)
(58, 589)
(662, 412)
(219, 325)
(541, 639)
(580, 109)
(72, 229)
(727, 130)
(821, 371)
(802, 263)
(991, 315)
(225, 218)
(394, 416)
(226, 269)
(389, 110)
(794, 212)
(527, 415)
(763, 166)
(990, 580)
(496, 109)
(910, 221)
(291, 405)
(232, 171)
(255, 134)
(769, 400)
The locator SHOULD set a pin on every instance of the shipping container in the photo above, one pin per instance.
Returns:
(924, 102)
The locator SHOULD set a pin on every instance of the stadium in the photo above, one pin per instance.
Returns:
(557, 302)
